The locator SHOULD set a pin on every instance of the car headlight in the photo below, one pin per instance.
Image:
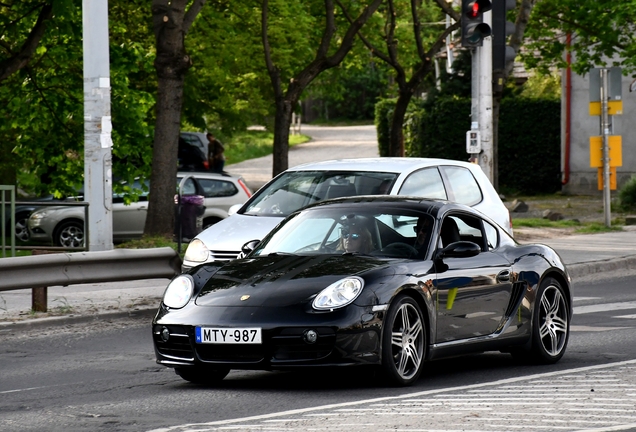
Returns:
(179, 291)
(39, 215)
(339, 294)
(196, 252)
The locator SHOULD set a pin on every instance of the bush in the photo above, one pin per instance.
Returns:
(627, 195)
(529, 151)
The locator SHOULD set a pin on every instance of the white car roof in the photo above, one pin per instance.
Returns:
(385, 164)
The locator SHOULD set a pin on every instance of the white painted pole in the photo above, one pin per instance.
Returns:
(485, 102)
(97, 126)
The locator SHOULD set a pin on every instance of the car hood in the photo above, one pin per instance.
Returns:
(233, 232)
(279, 281)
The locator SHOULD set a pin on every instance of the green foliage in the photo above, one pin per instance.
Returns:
(349, 92)
(541, 86)
(627, 195)
(383, 112)
(529, 155)
(599, 29)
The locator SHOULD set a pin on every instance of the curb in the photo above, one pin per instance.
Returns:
(586, 269)
(38, 323)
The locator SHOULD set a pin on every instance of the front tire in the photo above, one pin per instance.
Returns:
(70, 234)
(201, 376)
(403, 342)
(551, 323)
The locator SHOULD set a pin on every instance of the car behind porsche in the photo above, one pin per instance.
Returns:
(383, 281)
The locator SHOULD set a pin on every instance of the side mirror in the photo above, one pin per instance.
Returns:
(248, 247)
(460, 249)
(234, 209)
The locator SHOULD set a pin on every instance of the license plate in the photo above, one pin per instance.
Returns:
(237, 335)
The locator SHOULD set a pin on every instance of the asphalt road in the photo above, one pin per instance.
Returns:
(103, 377)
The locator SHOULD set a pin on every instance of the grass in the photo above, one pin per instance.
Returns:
(253, 144)
(581, 227)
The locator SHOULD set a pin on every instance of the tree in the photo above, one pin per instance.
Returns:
(171, 22)
(16, 18)
(601, 34)
(286, 96)
(22, 26)
(396, 53)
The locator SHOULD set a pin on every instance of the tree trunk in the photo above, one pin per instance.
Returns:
(396, 134)
(282, 123)
(170, 23)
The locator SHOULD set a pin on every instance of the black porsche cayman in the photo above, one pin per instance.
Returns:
(384, 281)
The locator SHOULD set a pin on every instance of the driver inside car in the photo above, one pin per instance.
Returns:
(355, 238)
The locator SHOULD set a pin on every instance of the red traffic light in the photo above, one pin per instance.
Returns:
(476, 8)
(474, 11)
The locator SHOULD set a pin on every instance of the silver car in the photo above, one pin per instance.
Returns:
(305, 184)
(64, 226)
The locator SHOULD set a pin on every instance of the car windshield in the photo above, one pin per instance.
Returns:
(395, 233)
(296, 189)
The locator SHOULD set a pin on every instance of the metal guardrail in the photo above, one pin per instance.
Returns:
(61, 269)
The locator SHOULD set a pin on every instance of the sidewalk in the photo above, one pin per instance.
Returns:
(584, 254)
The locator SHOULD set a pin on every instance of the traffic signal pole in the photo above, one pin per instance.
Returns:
(484, 103)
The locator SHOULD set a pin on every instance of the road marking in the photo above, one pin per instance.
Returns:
(429, 395)
(594, 329)
(578, 310)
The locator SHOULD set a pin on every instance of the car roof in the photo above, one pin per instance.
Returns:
(429, 205)
(384, 164)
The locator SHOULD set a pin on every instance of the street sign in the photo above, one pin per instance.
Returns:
(615, 143)
(614, 91)
(473, 142)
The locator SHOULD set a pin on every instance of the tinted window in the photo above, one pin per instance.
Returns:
(463, 185)
(217, 188)
(425, 183)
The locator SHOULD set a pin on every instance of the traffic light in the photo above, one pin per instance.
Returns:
(501, 28)
(474, 30)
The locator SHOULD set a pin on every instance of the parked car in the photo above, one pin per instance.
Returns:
(64, 226)
(193, 152)
(306, 184)
(341, 283)
(23, 209)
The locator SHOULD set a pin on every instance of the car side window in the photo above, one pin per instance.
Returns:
(217, 188)
(189, 188)
(492, 237)
(424, 183)
(462, 227)
(463, 185)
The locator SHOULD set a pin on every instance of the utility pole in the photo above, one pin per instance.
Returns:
(476, 21)
(484, 56)
(98, 191)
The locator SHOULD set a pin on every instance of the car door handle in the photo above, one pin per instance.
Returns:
(503, 276)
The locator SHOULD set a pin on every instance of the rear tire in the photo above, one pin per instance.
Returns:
(21, 227)
(403, 342)
(550, 324)
(201, 376)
